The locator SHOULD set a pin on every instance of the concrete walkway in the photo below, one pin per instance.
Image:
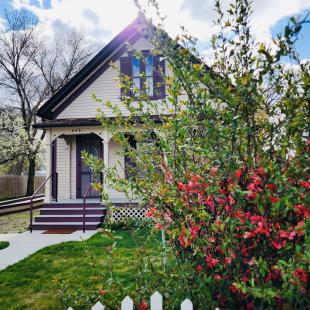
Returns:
(25, 244)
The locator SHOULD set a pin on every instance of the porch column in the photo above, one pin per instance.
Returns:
(48, 184)
(68, 167)
(105, 159)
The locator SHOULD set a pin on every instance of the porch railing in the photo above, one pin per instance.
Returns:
(84, 206)
(35, 194)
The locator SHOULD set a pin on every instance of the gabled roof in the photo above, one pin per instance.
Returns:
(96, 66)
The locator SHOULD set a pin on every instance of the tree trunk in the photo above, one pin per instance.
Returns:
(31, 173)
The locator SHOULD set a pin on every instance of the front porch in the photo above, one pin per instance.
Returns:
(70, 177)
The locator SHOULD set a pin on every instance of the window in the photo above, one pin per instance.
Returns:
(145, 73)
(149, 75)
(136, 69)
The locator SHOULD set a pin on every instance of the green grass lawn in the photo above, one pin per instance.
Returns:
(36, 282)
(16, 222)
(4, 244)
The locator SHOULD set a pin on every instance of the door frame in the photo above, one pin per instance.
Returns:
(54, 170)
(79, 139)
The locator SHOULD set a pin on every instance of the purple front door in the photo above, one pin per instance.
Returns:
(92, 145)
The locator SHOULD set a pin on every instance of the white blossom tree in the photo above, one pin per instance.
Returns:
(32, 68)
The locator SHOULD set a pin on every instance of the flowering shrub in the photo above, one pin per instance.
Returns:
(245, 232)
(224, 166)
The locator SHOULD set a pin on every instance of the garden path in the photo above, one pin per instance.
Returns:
(26, 243)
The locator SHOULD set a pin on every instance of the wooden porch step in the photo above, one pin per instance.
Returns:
(72, 210)
(66, 225)
(73, 205)
(68, 218)
(55, 216)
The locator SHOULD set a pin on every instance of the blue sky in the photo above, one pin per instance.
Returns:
(102, 19)
(303, 45)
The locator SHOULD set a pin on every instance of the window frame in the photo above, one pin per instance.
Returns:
(158, 92)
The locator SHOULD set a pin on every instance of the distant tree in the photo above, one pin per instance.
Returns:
(32, 68)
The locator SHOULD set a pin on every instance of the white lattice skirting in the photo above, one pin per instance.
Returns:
(123, 213)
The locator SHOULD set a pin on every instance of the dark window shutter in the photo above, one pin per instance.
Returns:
(126, 69)
(159, 82)
(130, 166)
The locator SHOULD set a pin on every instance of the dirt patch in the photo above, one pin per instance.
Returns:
(15, 223)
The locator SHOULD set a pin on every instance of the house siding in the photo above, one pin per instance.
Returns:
(62, 169)
(106, 87)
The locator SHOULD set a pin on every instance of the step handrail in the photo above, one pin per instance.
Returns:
(84, 205)
(31, 201)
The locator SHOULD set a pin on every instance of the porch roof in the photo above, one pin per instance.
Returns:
(67, 122)
(79, 122)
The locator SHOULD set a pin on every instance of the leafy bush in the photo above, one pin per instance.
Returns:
(226, 172)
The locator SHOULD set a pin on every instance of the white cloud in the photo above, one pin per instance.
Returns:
(266, 12)
(102, 19)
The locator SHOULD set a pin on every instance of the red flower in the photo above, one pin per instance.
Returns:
(210, 202)
(184, 241)
(248, 235)
(301, 275)
(199, 268)
(302, 210)
(278, 244)
(274, 199)
(251, 195)
(150, 212)
(305, 184)
(251, 187)
(143, 305)
(190, 184)
(227, 208)
(292, 235)
(299, 227)
(271, 186)
(261, 171)
(211, 239)
(181, 186)
(211, 262)
(283, 234)
(194, 231)
(238, 173)
(233, 289)
(159, 226)
(227, 260)
(102, 292)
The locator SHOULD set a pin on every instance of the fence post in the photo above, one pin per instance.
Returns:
(98, 306)
(186, 305)
(156, 301)
(127, 303)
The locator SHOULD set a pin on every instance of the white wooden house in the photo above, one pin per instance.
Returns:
(69, 119)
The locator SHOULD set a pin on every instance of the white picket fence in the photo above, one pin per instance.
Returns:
(155, 304)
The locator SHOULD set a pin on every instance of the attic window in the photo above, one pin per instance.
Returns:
(145, 73)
